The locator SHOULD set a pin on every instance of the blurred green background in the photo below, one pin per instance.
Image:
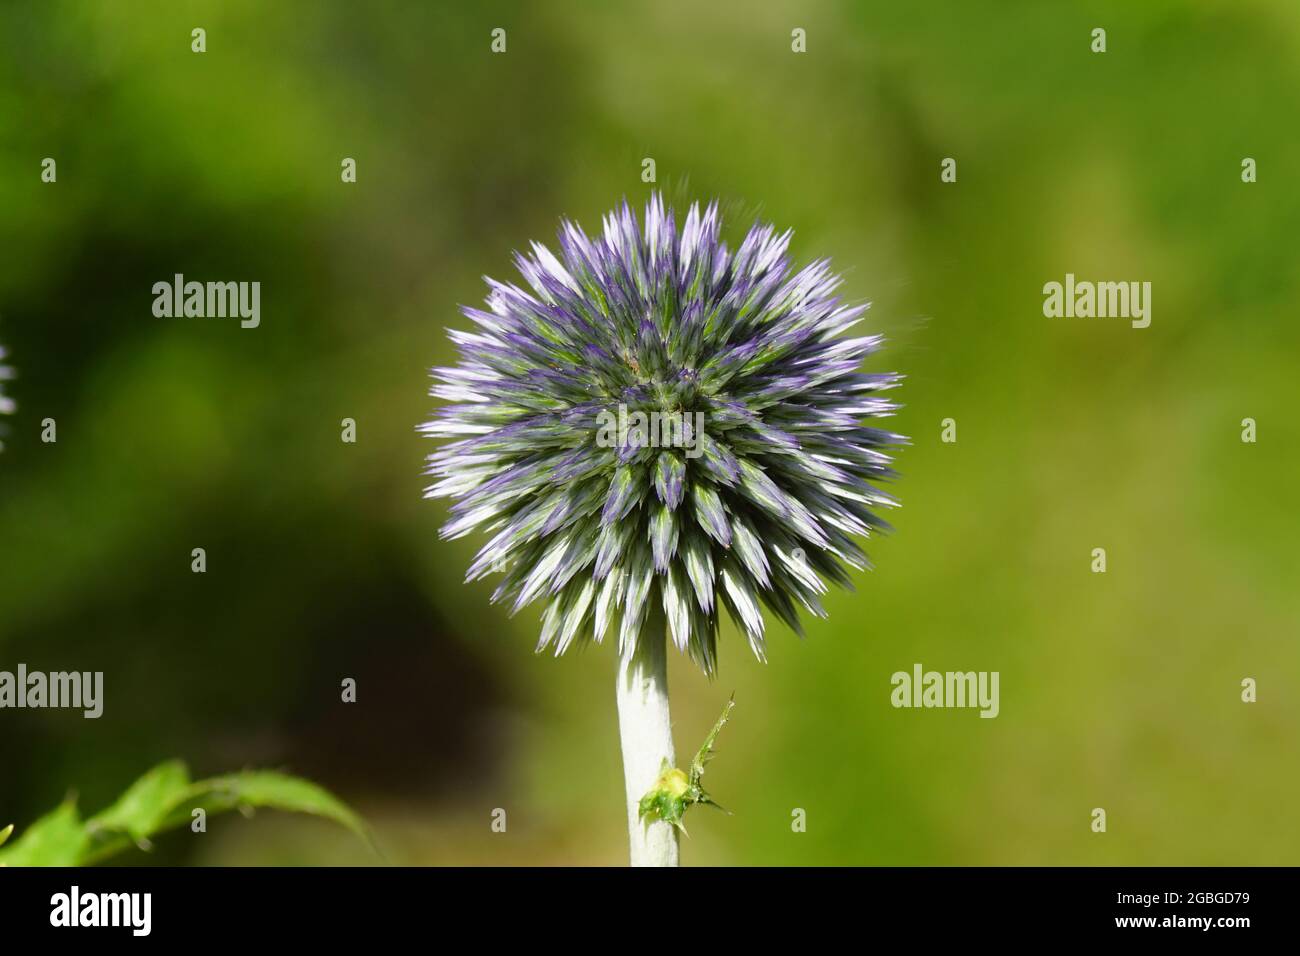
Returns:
(1119, 690)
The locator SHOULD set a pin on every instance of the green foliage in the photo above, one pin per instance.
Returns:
(675, 791)
(161, 800)
(225, 165)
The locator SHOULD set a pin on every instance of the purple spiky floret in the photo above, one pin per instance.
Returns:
(759, 508)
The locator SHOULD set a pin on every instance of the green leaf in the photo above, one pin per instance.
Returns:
(56, 839)
(4, 834)
(675, 791)
(161, 800)
(705, 753)
(267, 788)
(142, 809)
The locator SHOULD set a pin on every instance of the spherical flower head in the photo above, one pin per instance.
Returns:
(662, 423)
(6, 373)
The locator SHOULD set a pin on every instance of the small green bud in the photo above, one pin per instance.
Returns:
(667, 799)
(675, 790)
(673, 782)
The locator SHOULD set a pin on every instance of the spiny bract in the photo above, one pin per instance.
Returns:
(759, 508)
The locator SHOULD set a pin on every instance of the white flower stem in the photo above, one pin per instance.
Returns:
(645, 731)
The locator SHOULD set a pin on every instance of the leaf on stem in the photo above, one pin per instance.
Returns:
(675, 791)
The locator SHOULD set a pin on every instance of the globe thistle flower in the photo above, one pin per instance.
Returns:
(750, 496)
(759, 510)
(6, 373)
